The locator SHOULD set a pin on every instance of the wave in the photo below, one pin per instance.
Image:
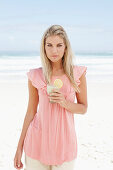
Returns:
(14, 66)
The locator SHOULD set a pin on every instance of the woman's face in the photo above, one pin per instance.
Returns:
(55, 48)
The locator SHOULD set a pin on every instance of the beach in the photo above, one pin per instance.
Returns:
(93, 129)
(32, 34)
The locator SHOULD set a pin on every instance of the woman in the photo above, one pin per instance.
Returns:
(48, 136)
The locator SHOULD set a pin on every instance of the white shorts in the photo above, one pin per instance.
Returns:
(32, 164)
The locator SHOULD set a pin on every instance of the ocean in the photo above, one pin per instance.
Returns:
(15, 65)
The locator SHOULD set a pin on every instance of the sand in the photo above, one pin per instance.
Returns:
(94, 128)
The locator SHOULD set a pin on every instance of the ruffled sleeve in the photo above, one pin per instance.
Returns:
(78, 72)
(82, 70)
(37, 79)
(32, 75)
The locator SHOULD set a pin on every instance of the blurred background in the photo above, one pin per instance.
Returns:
(90, 30)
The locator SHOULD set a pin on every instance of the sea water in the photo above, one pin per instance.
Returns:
(15, 65)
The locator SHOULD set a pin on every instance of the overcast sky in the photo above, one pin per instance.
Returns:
(88, 23)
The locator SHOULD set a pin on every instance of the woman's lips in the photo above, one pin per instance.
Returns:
(55, 56)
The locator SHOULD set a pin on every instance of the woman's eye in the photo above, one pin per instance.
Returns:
(51, 45)
(59, 46)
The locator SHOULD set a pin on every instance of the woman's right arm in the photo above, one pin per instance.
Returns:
(31, 111)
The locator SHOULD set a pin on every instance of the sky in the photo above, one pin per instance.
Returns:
(88, 23)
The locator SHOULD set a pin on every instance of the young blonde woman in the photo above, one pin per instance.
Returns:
(48, 136)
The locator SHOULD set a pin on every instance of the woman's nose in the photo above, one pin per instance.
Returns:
(54, 49)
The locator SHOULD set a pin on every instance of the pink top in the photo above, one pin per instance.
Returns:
(51, 136)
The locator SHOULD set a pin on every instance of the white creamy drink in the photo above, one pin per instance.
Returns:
(49, 90)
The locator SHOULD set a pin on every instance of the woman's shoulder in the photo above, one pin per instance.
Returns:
(34, 74)
(79, 70)
(35, 71)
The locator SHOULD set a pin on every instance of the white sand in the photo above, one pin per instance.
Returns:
(94, 129)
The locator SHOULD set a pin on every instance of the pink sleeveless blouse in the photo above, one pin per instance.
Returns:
(51, 136)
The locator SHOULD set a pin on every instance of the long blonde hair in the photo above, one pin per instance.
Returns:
(67, 59)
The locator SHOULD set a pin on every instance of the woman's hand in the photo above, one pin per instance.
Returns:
(58, 97)
(17, 159)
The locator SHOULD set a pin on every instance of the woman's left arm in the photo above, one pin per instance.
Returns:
(81, 106)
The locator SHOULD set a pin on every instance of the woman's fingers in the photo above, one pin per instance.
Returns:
(18, 165)
(17, 162)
